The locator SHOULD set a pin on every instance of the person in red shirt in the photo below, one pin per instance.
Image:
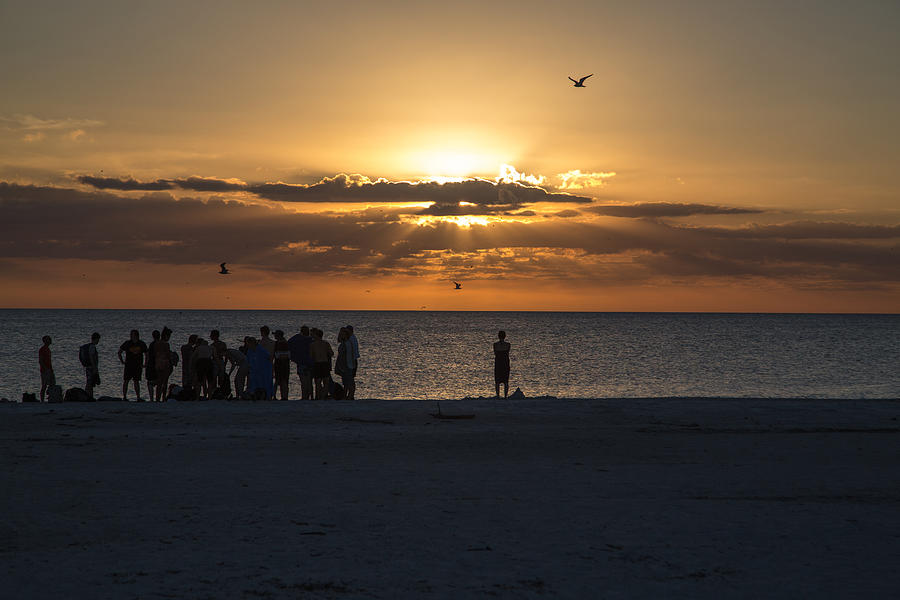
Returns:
(47, 376)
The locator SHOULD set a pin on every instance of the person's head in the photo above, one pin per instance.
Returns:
(343, 334)
(304, 330)
(46, 339)
(166, 334)
(192, 339)
(202, 342)
(135, 335)
(155, 334)
(251, 342)
(501, 334)
(95, 338)
(214, 335)
(279, 334)
(349, 329)
(318, 333)
(264, 330)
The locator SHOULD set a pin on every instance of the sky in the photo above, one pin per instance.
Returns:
(723, 156)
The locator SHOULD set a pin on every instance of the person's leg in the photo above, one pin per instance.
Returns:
(137, 389)
(497, 388)
(125, 387)
(505, 389)
(89, 382)
(43, 390)
(306, 386)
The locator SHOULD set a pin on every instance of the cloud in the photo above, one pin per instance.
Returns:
(33, 137)
(42, 222)
(468, 197)
(76, 134)
(32, 123)
(576, 180)
(666, 209)
(124, 185)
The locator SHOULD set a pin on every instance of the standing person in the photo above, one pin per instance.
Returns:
(87, 354)
(150, 371)
(238, 360)
(48, 378)
(501, 364)
(282, 364)
(352, 362)
(163, 365)
(299, 346)
(266, 342)
(260, 364)
(343, 363)
(321, 354)
(134, 351)
(202, 368)
(187, 376)
(218, 348)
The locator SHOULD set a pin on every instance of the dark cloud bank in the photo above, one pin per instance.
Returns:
(483, 197)
(57, 223)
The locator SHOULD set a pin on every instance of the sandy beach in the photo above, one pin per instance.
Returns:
(378, 499)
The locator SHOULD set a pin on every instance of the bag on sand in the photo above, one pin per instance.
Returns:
(54, 394)
(26, 397)
(337, 390)
(77, 394)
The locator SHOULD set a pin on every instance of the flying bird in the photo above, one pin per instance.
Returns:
(580, 82)
(458, 285)
(223, 270)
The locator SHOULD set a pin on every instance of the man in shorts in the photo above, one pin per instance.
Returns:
(134, 351)
(91, 362)
(321, 354)
(48, 378)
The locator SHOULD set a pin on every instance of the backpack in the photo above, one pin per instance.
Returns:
(84, 355)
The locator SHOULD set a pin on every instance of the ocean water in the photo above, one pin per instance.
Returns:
(446, 355)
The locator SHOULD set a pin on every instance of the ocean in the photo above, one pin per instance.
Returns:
(448, 355)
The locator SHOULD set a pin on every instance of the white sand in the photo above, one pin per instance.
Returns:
(602, 498)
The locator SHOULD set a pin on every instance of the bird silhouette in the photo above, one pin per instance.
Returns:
(458, 285)
(580, 82)
(223, 270)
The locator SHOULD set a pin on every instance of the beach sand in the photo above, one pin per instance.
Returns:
(377, 499)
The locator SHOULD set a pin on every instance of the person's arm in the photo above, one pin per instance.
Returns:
(121, 351)
(95, 359)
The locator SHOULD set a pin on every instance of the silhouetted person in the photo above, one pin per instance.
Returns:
(48, 378)
(218, 348)
(501, 364)
(238, 361)
(260, 364)
(202, 368)
(150, 371)
(321, 353)
(343, 364)
(187, 375)
(352, 362)
(134, 351)
(282, 364)
(91, 362)
(299, 346)
(266, 342)
(163, 365)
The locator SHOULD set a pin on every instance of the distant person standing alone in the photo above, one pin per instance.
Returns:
(48, 378)
(501, 364)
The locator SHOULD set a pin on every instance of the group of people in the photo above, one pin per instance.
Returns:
(259, 367)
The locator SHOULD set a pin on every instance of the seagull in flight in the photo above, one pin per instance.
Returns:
(223, 270)
(580, 82)
(458, 285)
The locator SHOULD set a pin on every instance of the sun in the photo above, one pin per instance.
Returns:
(449, 164)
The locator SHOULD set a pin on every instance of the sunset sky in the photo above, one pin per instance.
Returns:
(725, 155)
